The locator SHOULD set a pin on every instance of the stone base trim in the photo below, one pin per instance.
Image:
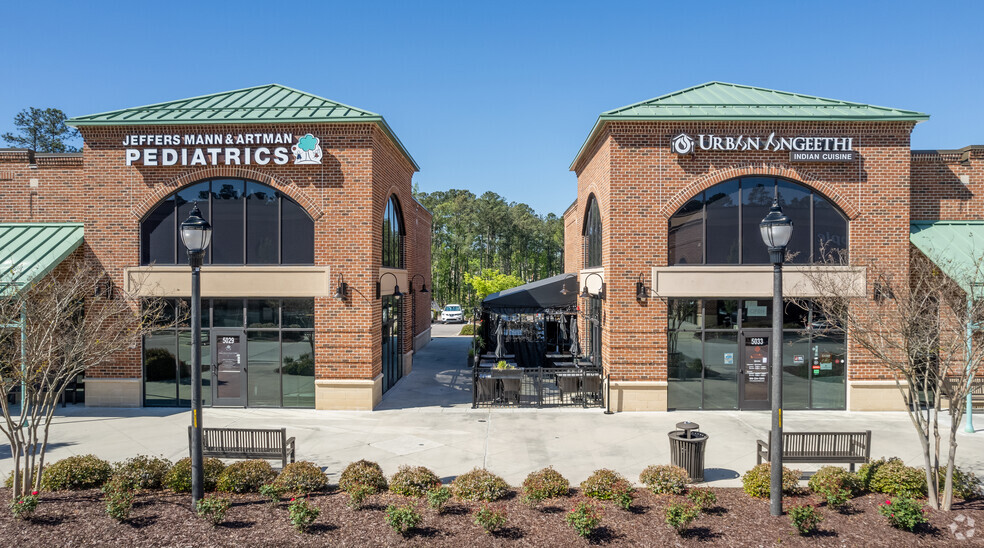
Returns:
(422, 339)
(113, 392)
(348, 394)
(407, 364)
(874, 396)
(638, 395)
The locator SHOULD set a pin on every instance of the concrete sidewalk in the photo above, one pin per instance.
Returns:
(427, 420)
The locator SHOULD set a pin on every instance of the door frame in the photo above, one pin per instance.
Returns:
(214, 333)
(754, 405)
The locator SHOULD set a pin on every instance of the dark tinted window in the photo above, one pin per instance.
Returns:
(262, 225)
(393, 234)
(227, 221)
(795, 202)
(722, 221)
(830, 232)
(592, 235)
(185, 200)
(157, 233)
(296, 233)
(686, 234)
(757, 194)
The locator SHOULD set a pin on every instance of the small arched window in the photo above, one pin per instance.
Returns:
(592, 235)
(393, 233)
(252, 223)
(721, 224)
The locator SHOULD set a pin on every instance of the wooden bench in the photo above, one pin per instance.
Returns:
(246, 443)
(833, 447)
(976, 390)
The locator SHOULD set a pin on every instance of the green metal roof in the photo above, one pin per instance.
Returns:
(28, 251)
(957, 247)
(269, 104)
(722, 101)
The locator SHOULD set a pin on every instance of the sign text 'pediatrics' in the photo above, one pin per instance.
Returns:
(214, 149)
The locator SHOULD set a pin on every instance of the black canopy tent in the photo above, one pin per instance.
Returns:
(548, 306)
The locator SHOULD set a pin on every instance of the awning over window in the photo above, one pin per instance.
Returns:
(28, 251)
(535, 297)
(957, 247)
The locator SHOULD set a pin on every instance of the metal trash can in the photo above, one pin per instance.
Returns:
(687, 449)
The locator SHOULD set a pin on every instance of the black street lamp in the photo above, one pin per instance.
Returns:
(196, 234)
(413, 303)
(776, 230)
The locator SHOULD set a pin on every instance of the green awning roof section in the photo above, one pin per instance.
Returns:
(723, 101)
(268, 104)
(29, 251)
(957, 247)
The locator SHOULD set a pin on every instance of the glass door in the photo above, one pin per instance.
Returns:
(753, 386)
(229, 373)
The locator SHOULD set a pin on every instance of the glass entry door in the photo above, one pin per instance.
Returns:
(229, 373)
(754, 369)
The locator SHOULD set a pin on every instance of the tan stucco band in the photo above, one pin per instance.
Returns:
(638, 395)
(753, 281)
(231, 281)
(874, 396)
(113, 392)
(387, 283)
(348, 394)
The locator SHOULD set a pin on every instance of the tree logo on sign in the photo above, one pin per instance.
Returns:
(307, 150)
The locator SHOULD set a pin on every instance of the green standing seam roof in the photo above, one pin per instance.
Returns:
(722, 101)
(957, 247)
(29, 251)
(268, 104)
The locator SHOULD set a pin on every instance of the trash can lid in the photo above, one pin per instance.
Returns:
(687, 425)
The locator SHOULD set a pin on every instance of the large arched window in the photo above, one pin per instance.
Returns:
(592, 235)
(393, 232)
(252, 223)
(720, 224)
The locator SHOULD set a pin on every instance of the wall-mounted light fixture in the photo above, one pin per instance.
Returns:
(601, 293)
(342, 292)
(563, 290)
(396, 285)
(642, 292)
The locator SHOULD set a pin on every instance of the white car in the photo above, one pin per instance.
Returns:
(452, 313)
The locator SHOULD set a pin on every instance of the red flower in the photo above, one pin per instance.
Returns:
(292, 500)
(20, 502)
(34, 492)
(888, 502)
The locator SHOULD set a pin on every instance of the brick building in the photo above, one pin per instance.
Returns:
(314, 229)
(670, 193)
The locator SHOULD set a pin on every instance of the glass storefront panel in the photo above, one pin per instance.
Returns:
(828, 364)
(263, 369)
(227, 312)
(795, 202)
(756, 313)
(184, 372)
(795, 371)
(262, 313)
(685, 368)
(720, 372)
(298, 369)
(722, 218)
(720, 314)
(757, 194)
(298, 313)
(227, 221)
(160, 377)
(687, 232)
(683, 314)
(262, 224)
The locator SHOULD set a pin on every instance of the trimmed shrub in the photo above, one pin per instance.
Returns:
(665, 479)
(273, 491)
(680, 515)
(866, 472)
(479, 485)
(491, 518)
(213, 509)
(413, 481)
(402, 518)
(903, 513)
(73, 473)
(965, 484)
(584, 518)
(702, 497)
(24, 507)
(895, 478)
(246, 476)
(119, 493)
(758, 480)
(835, 484)
(302, 514)
(9, 482)
(142, 472)
(301, 478)
(438, 498)
(544, 484)
(605, 484)
(178, 478)
(362, 473)
(805, 518)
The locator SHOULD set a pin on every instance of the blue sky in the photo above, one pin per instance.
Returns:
(498, 95)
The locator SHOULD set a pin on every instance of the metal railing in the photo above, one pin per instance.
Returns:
(538, 387)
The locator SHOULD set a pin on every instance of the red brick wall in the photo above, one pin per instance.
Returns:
(345, 196)
(640, 184)
(937, 192)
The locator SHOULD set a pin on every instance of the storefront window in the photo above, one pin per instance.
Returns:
(704, 354)
(592, 235)
(720, 225)
(393, 234)
(279, 352)
(251, 224)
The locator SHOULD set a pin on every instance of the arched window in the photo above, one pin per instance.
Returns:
(720, 224)
(252, 223)
(592, 235)
(393, 232)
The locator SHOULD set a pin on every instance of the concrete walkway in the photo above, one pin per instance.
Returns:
(427, 420)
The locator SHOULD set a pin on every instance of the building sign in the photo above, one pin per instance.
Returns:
(222, 149)
(801, 149)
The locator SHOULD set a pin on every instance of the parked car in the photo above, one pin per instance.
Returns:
(452, 313)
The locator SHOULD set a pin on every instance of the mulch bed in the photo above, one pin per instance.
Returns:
(165, 519)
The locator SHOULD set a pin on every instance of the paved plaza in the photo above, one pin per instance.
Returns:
(427, 420)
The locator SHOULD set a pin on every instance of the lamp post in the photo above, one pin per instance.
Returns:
(413, 304)
(776, 230)
(196, 234)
